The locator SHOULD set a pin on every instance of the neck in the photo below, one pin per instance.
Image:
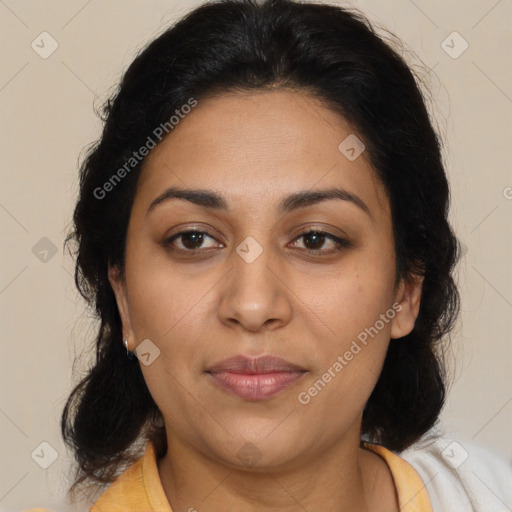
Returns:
(343, 478)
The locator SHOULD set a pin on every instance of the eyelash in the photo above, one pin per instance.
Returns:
(341, 243)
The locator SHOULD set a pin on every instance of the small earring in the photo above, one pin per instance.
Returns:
(129, 354)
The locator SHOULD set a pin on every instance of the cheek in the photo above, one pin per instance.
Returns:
(351, 300)
(347, 369)
(351, 340)
(163, 298)
(173, 308)
(169, 309)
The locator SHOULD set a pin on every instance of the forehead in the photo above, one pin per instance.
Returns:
(259, 145)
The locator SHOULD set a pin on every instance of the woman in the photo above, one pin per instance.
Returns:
(262, 229)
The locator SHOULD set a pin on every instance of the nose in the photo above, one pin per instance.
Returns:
(255, 294)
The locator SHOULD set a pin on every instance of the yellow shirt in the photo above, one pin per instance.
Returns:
(139, 488)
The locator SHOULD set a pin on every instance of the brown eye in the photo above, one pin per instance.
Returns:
(191, 240)
(314, 241)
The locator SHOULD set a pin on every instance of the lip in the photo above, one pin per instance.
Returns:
(255, 365)
(255, 379)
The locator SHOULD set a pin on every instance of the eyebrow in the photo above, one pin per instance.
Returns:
(301, 199)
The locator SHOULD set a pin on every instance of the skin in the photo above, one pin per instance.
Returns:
(255, 149)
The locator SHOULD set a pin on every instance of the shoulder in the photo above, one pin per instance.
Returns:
(460, 475)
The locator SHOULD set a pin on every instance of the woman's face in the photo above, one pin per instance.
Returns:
(251, 285)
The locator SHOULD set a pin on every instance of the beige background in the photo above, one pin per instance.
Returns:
(48, 119)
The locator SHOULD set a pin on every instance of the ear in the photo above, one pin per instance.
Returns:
(408, 297)
(119, 286)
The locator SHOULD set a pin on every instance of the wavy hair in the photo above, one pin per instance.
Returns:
(238, 46)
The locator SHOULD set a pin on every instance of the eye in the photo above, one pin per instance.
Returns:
(191, 240)
(317, 239)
